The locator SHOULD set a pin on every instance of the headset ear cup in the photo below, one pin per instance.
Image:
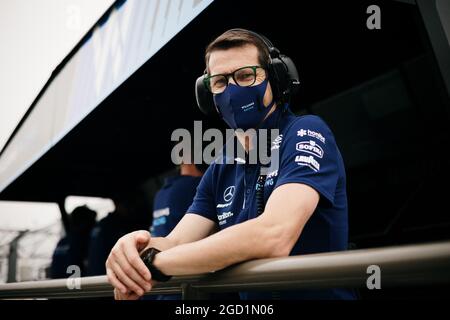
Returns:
(292, 75)
(204, 97)
(281, 76)
(286, 76)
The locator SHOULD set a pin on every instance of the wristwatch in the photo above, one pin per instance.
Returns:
(147, 256)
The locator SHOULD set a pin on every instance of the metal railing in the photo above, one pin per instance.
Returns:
(400, 266)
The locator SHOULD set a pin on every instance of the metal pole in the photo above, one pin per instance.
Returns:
(12, 258)
(64, 215)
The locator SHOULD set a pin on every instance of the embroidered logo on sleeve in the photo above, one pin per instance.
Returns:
(312, 134)
(308, 161)
(310, 147)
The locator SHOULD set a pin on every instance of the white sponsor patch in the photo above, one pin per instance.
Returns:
(269, 178)
(161, 213)
(248, 106)
(312, 134)
(224, 216)
(310, 147)
(272, 174)
(308, 161)
(276, 143)
(223, 205)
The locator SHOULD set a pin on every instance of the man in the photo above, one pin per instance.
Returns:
(305, 198)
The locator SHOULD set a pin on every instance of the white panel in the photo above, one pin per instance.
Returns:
(132, 34)
(31, 141)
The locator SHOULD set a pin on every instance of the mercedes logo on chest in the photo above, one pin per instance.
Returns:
(228, 193)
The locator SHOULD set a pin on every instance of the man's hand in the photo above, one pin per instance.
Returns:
(125, 269)
(125, 296)
(129, 295)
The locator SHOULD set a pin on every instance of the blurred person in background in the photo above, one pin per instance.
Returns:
(73, 248)
(130, 214)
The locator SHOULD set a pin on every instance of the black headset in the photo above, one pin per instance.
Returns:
(283, 78)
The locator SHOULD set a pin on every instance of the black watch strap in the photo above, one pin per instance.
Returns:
(147, 256)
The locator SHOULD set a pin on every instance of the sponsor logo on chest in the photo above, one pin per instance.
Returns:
(224, 216)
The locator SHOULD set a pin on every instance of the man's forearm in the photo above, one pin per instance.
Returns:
(245, 241)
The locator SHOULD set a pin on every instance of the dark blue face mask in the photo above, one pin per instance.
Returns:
(243, 107)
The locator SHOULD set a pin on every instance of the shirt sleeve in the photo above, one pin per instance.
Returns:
(204, 201)
(309, 155)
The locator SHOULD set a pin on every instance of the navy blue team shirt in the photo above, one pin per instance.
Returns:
(308, 154)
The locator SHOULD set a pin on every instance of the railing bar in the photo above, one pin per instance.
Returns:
(402, 265)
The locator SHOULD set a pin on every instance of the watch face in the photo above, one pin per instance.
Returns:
(145, 256)
(148, 255)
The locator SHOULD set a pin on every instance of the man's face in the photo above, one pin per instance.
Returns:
(227, 61)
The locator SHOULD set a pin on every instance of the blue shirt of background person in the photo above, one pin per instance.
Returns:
(171, 202)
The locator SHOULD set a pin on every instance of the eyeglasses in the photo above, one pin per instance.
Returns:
(243, 77)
